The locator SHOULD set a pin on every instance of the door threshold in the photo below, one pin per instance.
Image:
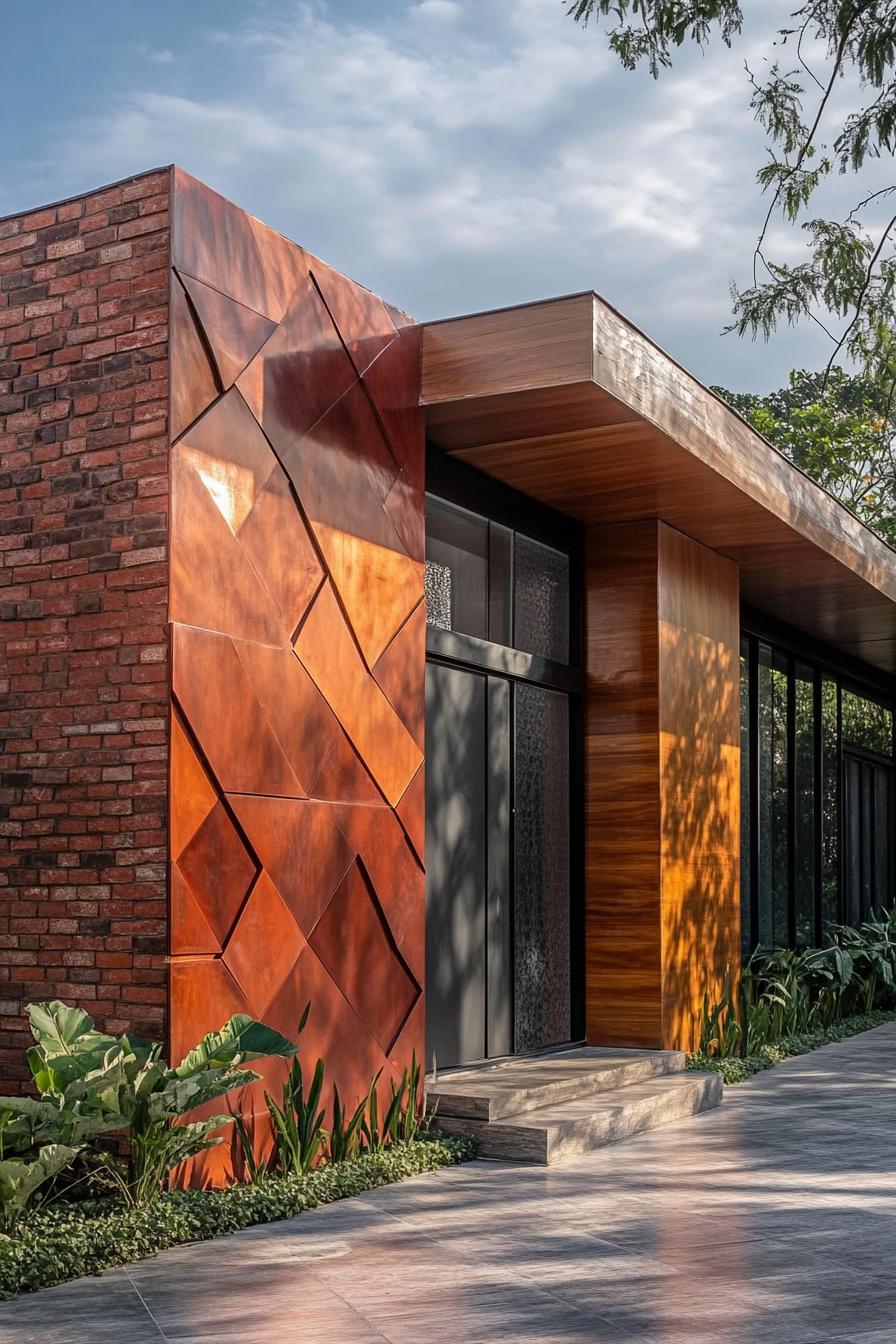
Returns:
(497, 1061)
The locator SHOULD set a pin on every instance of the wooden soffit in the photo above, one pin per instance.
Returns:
(568, 402)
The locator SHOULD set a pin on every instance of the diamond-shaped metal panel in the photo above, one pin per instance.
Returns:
(218, 869)
(295, 550)
(352, 937)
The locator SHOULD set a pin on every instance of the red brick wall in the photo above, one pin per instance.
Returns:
(83, 591)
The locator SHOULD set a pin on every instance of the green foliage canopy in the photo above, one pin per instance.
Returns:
(834, 428)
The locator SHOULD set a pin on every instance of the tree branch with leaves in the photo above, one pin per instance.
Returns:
(846, 284)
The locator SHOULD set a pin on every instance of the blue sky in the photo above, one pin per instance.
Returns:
(451, 154)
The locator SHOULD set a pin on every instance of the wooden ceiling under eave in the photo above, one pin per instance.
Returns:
(568, 402)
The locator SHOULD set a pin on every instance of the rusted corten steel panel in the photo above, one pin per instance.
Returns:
(296, 607)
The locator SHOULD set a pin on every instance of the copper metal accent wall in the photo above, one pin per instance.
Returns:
(297, 622)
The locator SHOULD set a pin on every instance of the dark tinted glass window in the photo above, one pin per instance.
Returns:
(817, 829)
(830, 791)
(486, 580)
(456, 576)
(804, 804)
(867, 724)
(540, 600)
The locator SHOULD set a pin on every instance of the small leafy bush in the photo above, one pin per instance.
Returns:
(786, 992)
(91, 1083)
(67, 1241)
(737, 1068)
(300, 1140)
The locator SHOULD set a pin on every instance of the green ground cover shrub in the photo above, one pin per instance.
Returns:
(65, 1241)
(69, 1207)
(788, 1001)
(737, 1068)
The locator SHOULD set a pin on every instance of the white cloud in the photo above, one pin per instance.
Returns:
(456, 155)
(441, 11)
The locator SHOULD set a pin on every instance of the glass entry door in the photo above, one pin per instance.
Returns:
(503, 743)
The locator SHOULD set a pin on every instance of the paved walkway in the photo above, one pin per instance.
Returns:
(769, 1221)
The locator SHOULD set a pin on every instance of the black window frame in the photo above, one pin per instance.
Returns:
(847, 674)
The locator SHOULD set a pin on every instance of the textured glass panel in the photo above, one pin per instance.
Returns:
(540, 600)
(437, 587)
(745, 926)
(830, 791)
(541, 869)
(866, 724)
(457, 550)
(804, 806)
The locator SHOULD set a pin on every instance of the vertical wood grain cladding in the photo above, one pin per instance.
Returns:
(662, 799)
(297, 656)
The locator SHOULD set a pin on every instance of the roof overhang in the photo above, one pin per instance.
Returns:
(568, 402)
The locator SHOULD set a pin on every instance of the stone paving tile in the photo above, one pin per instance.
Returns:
(90, 1311)
(767, 1221)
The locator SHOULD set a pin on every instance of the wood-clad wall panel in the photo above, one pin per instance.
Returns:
(508, 350)
(296, 790)
(622, 804)
(699, 765)
(662, 800)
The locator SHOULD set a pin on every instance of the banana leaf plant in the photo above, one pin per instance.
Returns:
(125, 1085)
(21, 1178)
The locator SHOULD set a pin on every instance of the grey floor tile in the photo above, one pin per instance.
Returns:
(767, 1221)
(104, 1310)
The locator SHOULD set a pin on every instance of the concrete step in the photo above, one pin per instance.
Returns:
(515, 1086)
(559, 1132)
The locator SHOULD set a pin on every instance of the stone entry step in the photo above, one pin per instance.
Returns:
(554, 1107)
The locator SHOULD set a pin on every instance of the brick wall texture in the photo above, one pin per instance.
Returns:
(83, 591)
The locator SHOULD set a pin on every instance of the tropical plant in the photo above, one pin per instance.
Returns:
(22, 1177)
(720, 1031)
(298, 1124)
(411, 1117)
(124, 1084)
(344, 1136)
(254, 1167)
(786, 992)
(378, 1136)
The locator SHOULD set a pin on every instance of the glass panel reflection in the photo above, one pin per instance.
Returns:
(804, 805)
(456, 568)
(867, 724)
(830, 794)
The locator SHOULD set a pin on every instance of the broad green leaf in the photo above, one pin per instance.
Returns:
(61, 1030)
(242, 1038)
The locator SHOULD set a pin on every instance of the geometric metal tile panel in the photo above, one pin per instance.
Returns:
(218, 869)
(350, 938)
(296, 780)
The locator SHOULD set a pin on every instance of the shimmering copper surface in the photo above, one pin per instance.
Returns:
(297, 653)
